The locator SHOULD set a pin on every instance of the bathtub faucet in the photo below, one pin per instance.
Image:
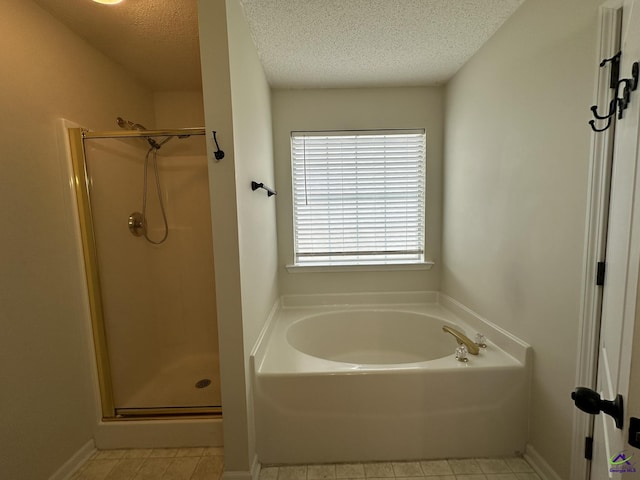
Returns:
(462, 339)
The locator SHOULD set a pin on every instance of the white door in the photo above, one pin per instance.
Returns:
(612, 456)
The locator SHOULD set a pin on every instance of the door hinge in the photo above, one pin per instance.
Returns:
(588, 448)
(615, 70)
(600, 272)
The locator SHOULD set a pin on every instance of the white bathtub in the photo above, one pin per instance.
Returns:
(369, 337)
(353, 383)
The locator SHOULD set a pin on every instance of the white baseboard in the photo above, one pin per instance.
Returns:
(254, 474)
(236, 475)
(77, 459)
(255, 468)
(540, 465)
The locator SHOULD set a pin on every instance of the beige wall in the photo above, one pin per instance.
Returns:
(252, 133)
(244, 222)
(47, 400)
(178, 109)
(515, 185)
(368, 108)
(214, 57)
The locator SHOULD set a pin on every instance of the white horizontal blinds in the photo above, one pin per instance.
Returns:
(358, 196)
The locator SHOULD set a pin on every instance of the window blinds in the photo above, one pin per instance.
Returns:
(358, 197)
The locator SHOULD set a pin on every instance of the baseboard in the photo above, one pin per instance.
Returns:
(255, 468)
(254, 474)
(236, 475)
(77, 459)
(540, 465)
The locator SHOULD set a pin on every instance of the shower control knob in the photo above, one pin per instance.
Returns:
(137, 224)
(590, 402)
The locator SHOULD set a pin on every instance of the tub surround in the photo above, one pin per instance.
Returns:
(292, 324)
(511, 344)
(318, 410)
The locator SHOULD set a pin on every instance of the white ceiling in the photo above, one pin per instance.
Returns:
(343, 43)
(155, 40)
(301, 43)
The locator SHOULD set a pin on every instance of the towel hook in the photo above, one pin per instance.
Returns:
(618, 103)
(219, 154)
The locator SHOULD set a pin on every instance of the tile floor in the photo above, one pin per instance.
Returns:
(470, 469)
(153, 464)
(206, 464)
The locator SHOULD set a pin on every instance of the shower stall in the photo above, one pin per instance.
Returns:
(144, 215)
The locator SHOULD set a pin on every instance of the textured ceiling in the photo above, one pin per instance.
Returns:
(341, 43)
(155, 40)
(301, 43)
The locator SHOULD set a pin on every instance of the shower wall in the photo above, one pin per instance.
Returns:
(158, 300)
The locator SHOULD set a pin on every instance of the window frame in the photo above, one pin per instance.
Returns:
(416, 263)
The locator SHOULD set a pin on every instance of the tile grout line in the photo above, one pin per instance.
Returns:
(116, 457)
(454, 468)
(514, 467)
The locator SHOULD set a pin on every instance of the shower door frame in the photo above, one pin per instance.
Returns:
(80, 182)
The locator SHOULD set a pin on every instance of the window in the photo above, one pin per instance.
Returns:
(358, 197)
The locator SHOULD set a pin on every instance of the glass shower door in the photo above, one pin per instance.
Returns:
(158, 297)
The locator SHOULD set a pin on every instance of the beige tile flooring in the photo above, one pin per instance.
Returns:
(514, 468)
(206, 464)
(203, 463)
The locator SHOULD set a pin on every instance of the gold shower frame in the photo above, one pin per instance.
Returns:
(81, 187)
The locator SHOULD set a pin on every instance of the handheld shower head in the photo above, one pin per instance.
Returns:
(129, 125)
(153, 143)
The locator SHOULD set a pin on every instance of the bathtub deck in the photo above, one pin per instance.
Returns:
(310, 410)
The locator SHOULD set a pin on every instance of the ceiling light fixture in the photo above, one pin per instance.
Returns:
(108, 2)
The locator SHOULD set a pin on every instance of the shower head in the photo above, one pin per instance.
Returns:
(126, 124)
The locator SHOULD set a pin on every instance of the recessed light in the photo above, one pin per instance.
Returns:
(108, 2)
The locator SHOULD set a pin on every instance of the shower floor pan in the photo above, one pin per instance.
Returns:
(188, 387)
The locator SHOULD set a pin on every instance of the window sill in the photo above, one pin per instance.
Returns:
(360, 268)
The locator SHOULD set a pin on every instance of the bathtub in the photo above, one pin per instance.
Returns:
(370, 381)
